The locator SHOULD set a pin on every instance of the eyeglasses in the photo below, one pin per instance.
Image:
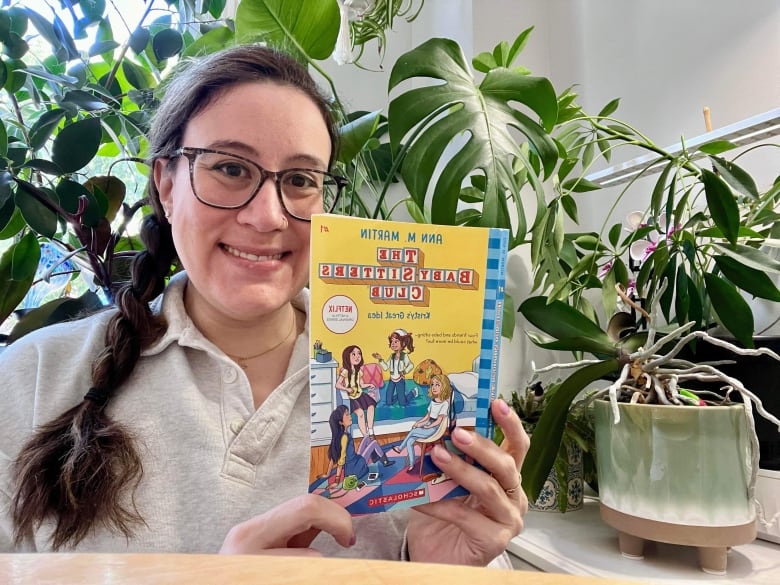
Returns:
(228, 181)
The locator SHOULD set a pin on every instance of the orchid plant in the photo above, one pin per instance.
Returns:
(707, 229)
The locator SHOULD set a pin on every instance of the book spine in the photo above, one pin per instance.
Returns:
(492, 319)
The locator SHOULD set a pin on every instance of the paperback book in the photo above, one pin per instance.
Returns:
(405, 330)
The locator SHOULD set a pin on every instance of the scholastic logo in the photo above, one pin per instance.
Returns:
(395, 498)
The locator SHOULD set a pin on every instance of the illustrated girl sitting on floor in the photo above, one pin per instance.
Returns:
(342, 454)
(440, 393)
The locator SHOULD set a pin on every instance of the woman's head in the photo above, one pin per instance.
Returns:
(352, 358)
(440, 388)
(264, 108)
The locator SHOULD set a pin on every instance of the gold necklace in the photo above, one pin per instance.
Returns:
(242, 361)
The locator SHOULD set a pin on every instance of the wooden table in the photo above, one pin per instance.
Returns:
(127, 569)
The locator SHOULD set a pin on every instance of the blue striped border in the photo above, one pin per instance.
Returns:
(493, 307)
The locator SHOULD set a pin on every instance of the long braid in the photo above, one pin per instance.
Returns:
(87, 460)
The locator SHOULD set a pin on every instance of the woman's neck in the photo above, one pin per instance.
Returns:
(238, 337)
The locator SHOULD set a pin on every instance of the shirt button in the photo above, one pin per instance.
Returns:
(229, 375)
(237, 425)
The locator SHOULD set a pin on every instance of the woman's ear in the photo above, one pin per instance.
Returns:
(162, 175)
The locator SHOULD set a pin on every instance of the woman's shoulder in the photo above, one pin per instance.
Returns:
(54, 355)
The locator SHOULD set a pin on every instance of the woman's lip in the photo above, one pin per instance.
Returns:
(254, 256)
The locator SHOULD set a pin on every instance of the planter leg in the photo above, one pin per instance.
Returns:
(631, 546)
(713, 559)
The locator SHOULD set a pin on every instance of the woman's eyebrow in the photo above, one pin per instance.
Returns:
(299, 159)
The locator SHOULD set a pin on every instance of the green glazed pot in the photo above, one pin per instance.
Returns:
(683, 465)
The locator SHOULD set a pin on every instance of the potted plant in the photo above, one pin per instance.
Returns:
(705, 241)
(574, 464)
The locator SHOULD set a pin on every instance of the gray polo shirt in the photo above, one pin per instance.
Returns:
(210, 459)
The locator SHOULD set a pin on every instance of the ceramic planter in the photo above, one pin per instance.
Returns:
(548, 500)
(676, 474)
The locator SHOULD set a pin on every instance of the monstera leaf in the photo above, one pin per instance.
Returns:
(307, 27)
(498, 129)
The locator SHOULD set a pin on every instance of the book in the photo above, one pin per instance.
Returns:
(405, 328)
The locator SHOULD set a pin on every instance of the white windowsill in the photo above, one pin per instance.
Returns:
(580, 543)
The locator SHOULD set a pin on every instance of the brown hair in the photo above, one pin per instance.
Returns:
(76, 467)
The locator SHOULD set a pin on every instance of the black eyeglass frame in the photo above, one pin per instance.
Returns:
(191, 153)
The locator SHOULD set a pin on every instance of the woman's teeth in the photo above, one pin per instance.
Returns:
(251, 257)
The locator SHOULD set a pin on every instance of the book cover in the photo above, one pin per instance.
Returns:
(405, 334)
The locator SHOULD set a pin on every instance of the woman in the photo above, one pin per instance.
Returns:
(440, 392)
(180, 422)
(350, 380)
(342, 455)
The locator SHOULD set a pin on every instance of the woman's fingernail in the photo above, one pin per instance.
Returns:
(442, 454)
(462, 436)
(353, 540)
(502, 406)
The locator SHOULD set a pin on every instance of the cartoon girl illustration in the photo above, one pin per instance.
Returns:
(440, 392)
(341, 453)
(398, 364)
(351, 381)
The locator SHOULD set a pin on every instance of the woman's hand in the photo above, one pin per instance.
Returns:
(289, 529)
(475, 529)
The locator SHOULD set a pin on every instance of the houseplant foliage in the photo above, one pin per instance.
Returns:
(708, 231)
(75, 102)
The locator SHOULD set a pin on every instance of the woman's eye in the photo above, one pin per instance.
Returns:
(232, 169)
(300, 180)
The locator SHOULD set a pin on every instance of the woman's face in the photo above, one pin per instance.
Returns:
(346, 420)
(355, 356)
(245, 263)
(395, 343)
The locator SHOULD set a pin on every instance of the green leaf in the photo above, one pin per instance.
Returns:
(84, 100)
(722, 205)
(354, 135)
(658, 190)
(139, 77)
(76, 144)
(750, 257)
(547, 435)
(755, 282)
(716, 146)
(11, 220)
(93, 9)
(139, 39)
(42, 130)
(609, 108)
(518, 45)
(17, 270)
(732, 310)
(508, 320)
(308, 27)
(215, 39)
(167, 43)
(15, 47)
(38, 216)
(563, 322)
(485, 115)
(580, 185)
(735, 176)
(55, 311)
